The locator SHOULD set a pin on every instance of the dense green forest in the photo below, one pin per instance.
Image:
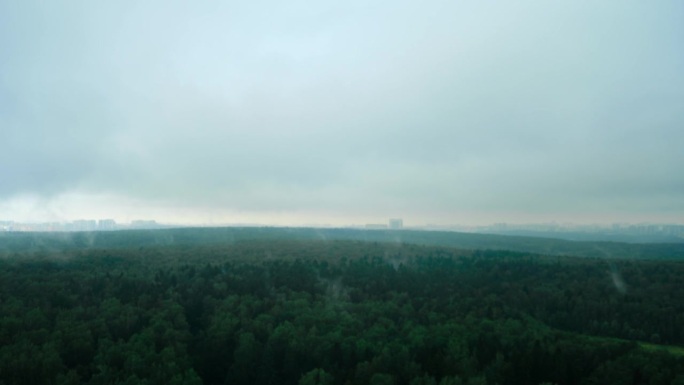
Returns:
(21, 242)
(296, 310)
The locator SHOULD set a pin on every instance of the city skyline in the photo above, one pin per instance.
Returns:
(389, 224)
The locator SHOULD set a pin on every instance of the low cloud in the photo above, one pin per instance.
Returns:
(438, 111)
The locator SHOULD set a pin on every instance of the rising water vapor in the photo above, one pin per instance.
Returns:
(617, 280)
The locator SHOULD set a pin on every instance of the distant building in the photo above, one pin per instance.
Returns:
(144, 224)
(396, 223)
(84, 225)
(376, 226)
(106, 224)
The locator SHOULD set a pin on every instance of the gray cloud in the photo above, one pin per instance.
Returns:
(433, 110)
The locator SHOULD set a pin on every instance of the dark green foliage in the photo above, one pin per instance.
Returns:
(291, 311)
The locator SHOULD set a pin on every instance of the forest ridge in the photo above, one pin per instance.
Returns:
(49, 242)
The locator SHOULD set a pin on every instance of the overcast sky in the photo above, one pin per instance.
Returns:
(297, 112)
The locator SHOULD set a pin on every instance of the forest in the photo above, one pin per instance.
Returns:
(282, 309)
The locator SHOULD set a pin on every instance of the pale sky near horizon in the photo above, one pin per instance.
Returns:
(444, 112)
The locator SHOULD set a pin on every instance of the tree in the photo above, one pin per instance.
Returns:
(317, 376)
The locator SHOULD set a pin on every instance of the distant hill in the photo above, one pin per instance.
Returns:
(46, 242)
(596, 236)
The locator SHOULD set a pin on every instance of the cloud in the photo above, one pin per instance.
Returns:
(350, 110)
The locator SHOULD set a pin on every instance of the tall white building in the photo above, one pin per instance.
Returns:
(396, 223)
(106, 224)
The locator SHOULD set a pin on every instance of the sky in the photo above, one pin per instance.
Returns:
(347, 112)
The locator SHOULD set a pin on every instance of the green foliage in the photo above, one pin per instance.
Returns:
(291, 311)
(317, 376)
